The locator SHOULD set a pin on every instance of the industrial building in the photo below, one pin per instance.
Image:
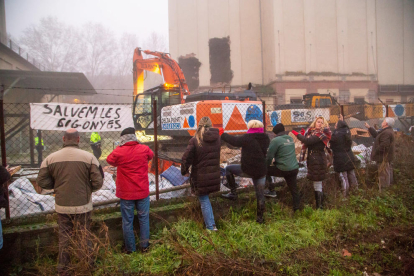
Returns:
(357, 50)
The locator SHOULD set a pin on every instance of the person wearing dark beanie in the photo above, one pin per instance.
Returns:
(278, 128)
(282, 151)
(128, 130)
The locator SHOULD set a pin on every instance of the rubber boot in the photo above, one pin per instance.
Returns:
(319, 200)
(233, 188)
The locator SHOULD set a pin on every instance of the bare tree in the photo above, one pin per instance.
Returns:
(100, 48)
(127, 44)
(54, 44)
(156, 42)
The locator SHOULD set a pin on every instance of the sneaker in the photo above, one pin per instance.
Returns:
(213, 230)
(270, 193)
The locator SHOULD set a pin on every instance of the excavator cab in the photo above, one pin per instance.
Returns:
(143, 104)
(318, 100)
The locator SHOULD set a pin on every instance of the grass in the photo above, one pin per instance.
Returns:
(376, 228)
(269, 248)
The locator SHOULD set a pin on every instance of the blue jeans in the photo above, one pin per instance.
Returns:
(207, 212)
(259, 185)
(127, 211)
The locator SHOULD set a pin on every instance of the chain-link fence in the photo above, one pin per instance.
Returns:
(176, 125)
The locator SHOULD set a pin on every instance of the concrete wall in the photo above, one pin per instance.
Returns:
(2, 19)
(9, 60)
(335, 37)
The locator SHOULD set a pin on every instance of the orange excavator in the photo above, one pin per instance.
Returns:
(162, 64)
(178, 111)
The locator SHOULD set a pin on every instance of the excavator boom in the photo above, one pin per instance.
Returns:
(161, 64)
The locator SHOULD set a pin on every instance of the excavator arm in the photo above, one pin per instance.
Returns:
(162, 64)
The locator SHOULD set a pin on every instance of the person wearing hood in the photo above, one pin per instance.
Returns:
(383, 150)
(282, 151)
(343, 158)
(314, 141)
(203, 156)
(254, 146)
(132, 187)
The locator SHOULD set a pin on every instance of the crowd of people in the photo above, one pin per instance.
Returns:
(74, 174)
(262, 159)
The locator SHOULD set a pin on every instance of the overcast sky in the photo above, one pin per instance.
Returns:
(140, 17)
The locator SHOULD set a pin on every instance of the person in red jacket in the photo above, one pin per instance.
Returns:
(132, 186)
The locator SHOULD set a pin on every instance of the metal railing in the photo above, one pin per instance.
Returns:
(21, 51)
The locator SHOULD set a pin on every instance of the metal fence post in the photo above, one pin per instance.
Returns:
(2, 133)
(155, 118)
(342, 110)
(264, 116)
(386, 110)
(31, 143)
(3, 150)
(39, 147)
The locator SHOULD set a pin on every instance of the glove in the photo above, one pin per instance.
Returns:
(295, 133)
(221, 131)
(302, 131)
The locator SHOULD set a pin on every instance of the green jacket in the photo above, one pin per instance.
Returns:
(95, 138)
(282, 149)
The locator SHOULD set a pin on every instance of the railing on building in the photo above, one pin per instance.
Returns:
(20, 51)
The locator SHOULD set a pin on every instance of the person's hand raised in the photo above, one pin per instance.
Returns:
(221, 130)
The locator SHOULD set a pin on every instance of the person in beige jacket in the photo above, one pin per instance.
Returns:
(73, 174)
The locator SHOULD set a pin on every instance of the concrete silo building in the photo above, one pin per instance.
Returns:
(358, 50)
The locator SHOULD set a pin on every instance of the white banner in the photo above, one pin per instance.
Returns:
(83, 117)
(308, 115)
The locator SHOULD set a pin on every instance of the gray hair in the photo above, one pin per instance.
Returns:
(390, 121)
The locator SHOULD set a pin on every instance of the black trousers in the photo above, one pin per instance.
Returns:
(97, 152)
(291, 180)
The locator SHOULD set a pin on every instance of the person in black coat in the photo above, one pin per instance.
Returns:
(254, 146)
(343, 158)
(203, 156)
(314, 141)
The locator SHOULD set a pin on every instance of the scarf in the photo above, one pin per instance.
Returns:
(127, 138)
(324, 136)
(255, 130)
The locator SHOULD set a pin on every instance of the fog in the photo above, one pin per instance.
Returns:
(140, 17)
(95, 37)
